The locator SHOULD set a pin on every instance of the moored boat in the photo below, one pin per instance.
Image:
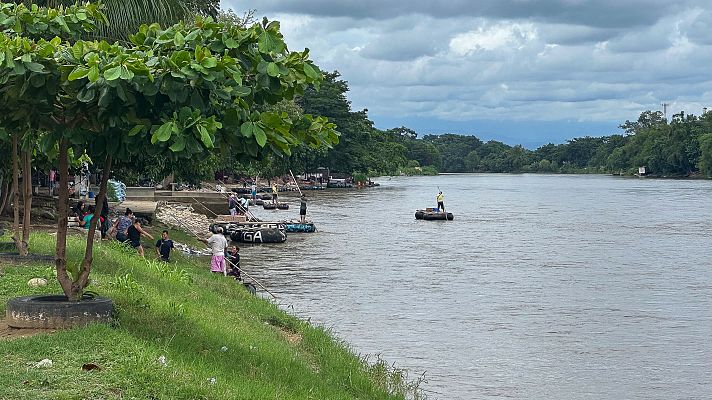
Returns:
(259, 235)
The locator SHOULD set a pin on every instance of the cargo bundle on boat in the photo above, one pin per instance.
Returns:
(432, 214)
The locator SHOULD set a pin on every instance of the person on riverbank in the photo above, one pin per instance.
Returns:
(254, 191)
(218, 244)
(122, 225)
(303, 208)
(274, 193)
(164, 246)
(104, 217)
(79, 210)
(232, 205)
(441, 201)
(86, 220)
(244, 205)
(233, 258)
(134, 234)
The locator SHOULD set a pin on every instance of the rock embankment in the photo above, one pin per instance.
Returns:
(183, 217)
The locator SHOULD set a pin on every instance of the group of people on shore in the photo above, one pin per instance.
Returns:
(225, 259)
(84, 214)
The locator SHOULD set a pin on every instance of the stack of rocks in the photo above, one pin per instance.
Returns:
(182, 216)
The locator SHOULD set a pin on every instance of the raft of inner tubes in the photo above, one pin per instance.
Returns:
(278, 206)
(433, 215)
(299, 227)
(258, 235)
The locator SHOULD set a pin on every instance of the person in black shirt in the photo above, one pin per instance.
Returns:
(134, 236)
(233, 258)
(164, 246)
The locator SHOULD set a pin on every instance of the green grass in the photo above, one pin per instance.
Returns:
(186, 314)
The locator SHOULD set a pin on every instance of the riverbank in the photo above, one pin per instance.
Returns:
(179, 333)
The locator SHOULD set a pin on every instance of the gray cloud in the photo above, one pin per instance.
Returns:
(528, 60)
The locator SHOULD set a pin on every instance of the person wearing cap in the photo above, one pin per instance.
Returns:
(441, 201)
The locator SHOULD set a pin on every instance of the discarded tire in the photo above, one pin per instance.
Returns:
(55, 312)
(269, 206)
(283, 206)
(419, 214)
(259, 202)
(265, 196)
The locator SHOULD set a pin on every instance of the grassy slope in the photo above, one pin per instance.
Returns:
(188, 315)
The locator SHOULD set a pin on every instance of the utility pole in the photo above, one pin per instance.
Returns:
(665, 106)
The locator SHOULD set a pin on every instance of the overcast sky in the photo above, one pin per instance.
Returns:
(520, 71)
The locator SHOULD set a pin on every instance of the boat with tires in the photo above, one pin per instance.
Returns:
(298, 227)
(259, 235)
(433, 214)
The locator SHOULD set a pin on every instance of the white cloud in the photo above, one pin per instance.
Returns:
(494, 37)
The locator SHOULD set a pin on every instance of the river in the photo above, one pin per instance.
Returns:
(543, 287)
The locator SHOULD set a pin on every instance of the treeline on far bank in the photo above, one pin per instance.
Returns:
(677, 148)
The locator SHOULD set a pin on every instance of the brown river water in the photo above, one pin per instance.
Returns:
(543, 287)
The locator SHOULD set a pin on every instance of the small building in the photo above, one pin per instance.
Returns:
(642, 171)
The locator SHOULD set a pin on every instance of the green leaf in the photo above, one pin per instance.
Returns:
(34, 67)
(260, 136)
(205, 137)
(178, 39)
(247, 129)
(113, 73)
(78, 73)
(272, 69)
(178, 145)
(135, 130)
(268, 43)
(242, 91)
(231, 43)
(311, 72)
(209, 62)
(163, 133)
(85, 96)
(93, 73)
(126, 74)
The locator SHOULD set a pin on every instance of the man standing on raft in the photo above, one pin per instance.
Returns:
(441, 199)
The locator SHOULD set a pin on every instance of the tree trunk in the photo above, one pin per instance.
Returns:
(60, 257)
(27, 200)
(83, 277)
(16, 196)
(4, 194)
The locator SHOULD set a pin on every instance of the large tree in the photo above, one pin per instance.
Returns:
(183, 92)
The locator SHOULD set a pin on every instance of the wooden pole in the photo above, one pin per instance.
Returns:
(295, 182)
